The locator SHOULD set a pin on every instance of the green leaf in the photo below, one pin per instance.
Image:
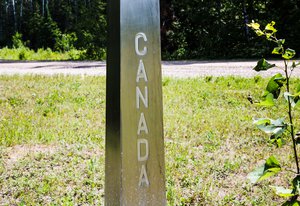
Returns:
(272, 165)
(296, 185)
(263, 65)
(294, 98)
(297, 95)
(282, 192)
(280, 42)
(259, 32)
(292, 203)
(255, 176)
(298, 88)
(268, 102)
(275, 84)
(277, 50)
(297, 140)
(277, 140)
(268, 35)
(270, 168)
(290, 97)
(270, 27)
(264, 121)
(254, 25)
(270, 126)
(289, 53)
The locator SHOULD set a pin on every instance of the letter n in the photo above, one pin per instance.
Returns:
(139, 96)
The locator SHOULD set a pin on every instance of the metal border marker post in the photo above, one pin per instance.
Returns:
(134, 163)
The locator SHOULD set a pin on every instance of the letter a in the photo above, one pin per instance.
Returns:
(141, 73)
(143, 177)
(142, 125)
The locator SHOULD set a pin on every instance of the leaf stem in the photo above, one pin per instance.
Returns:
(292, 132)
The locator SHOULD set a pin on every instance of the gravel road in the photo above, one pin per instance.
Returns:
(178, 69)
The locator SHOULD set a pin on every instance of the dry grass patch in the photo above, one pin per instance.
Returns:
(19, 152)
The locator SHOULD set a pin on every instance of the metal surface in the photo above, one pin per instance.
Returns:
(134, 167)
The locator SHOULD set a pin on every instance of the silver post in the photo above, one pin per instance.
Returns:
(134, 165)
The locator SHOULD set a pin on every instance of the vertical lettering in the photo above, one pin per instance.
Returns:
(141, 73)
(142, 144)
(144, 157)
(139, 96)
(137, 37)
(143, 177)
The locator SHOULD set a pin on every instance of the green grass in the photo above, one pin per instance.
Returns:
(52, 141)
(24, 53)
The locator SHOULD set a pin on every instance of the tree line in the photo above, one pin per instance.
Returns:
(190, 29)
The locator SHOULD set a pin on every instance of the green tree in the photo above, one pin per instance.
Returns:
(279, 129)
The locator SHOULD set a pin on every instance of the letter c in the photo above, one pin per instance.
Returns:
(137, 37)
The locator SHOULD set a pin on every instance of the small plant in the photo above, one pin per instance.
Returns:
(17, 41)
(279, 128)
(65, 42)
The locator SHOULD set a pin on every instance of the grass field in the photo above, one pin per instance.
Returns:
(52, 141)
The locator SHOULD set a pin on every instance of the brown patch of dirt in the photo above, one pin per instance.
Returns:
(18, 152)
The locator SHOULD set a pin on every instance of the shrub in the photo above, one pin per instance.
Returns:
(279, 130)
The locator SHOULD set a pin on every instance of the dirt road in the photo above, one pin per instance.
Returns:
(179, 69)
